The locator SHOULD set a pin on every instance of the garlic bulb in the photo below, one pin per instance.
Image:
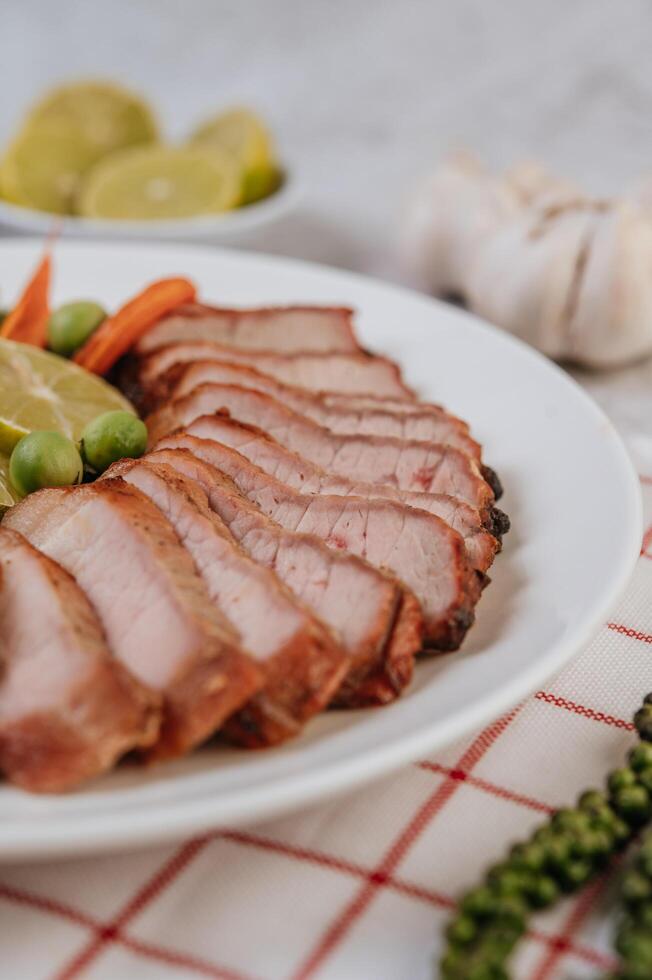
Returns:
(570, 275)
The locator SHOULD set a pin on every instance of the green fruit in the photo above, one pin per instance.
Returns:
(72, 324)
(44, 459)
(620, 779)
(633, 804)
(461, 931)
(640, 757)
(643, 721)
(113, 436)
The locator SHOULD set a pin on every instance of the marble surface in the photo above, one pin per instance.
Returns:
(366, 95)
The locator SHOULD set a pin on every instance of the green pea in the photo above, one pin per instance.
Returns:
(113, 436)
(44, 459)
(72, 324)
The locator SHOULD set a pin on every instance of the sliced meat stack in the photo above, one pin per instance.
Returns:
(153, 606)
(68, 709)
(301, 528)
(302, 661)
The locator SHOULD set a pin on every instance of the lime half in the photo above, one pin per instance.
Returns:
(243, 134)
(8, 496)
(160, 183)
(107, 116)
(39, 390)
(43, 166)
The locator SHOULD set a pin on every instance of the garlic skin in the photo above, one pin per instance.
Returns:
(612, 322)
(524, 276)
(570, 275)
(449, 219)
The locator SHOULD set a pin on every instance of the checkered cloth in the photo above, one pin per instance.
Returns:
(362, 887)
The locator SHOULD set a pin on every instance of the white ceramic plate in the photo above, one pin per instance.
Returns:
(217, 228)
(570, 491)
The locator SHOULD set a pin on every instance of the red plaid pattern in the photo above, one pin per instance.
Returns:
(360, 887)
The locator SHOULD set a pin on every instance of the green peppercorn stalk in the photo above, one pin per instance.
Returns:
(559, 858)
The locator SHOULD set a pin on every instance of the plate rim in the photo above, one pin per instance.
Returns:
(80, 835)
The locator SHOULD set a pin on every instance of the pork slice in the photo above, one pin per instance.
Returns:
(300, 474)
(283, 329)
(428, 426)
(410, 465)
(352, 373)
(376, 620)
(155, 610)
(68, 710)
(423, 551)
(302, 661)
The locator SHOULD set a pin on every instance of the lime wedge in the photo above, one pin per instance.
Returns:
(7, 495)
(243, 134)
(107, 116)
(156, 182)
(39, 390)
(42, 168)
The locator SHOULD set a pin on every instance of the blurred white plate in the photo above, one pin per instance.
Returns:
(571, 492)
(218, 228)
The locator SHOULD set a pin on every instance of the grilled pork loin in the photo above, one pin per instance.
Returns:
(301, 659)
(283, 329)
(411, 465)
(430, 426)
(347, 373)
(68, 710)
(377, 621)
(422, 550)
(306, 477)
(155, 610)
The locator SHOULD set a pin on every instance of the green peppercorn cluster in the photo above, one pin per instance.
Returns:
(559, 858)
(634, 936)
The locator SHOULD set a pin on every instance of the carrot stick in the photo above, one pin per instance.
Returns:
(119, 332)
(28, 321)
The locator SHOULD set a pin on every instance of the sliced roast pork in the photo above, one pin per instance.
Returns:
(283, 329)
(302, 661)
(421, 549)
(410, 465)
(429, 426)
(68, 710)
(306, 477)
(377, 621)
(348, 373)
(156, 613)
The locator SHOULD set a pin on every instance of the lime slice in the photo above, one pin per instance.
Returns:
(153, 182)
(107, 116)
(243, 134)
(39, 390)
(8, 496)
(43, 166)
